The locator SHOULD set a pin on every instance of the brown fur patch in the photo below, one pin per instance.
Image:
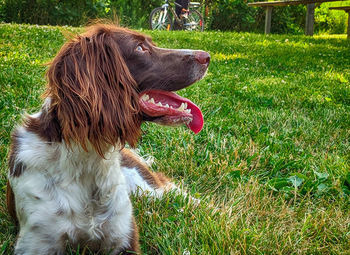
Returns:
(46, 126)
(134, 246)
(130, 160)
(162, 178)
(10, 202)
(16, 168)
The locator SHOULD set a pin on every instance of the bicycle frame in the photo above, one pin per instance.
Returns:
(162, 18)
(170, 7)
(167, 6)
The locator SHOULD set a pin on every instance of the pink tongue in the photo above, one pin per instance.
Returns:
(172, 114)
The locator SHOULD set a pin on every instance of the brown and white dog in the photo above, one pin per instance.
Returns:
(70, 176)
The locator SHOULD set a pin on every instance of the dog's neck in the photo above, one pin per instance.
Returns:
(89, 167)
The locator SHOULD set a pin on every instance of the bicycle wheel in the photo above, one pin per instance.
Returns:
(194, 22)
(160, 20)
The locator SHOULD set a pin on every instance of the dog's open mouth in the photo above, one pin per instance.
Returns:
(168, 108)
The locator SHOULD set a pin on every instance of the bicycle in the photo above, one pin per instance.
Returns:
(161, 18)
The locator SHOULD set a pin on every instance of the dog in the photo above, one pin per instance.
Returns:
(70, 175)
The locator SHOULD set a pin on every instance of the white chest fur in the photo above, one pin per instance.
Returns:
(69, 194)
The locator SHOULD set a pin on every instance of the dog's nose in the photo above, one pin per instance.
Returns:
(202, 57)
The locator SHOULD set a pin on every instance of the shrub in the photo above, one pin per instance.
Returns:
(328, 21)
(52, 12)
(218, 14)
(232, 15)
(133, 13)
(288, 19)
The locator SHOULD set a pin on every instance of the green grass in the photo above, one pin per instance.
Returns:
(271, 164)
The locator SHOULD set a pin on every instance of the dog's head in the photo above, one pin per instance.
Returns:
(103, 83)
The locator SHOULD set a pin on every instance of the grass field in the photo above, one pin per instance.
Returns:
(271, 165)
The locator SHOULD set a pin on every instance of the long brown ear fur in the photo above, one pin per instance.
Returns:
(93, 92)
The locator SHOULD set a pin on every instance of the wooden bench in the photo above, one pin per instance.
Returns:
(346, 9)
(309, 24)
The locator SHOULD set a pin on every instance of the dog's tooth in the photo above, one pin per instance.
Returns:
(152, 100)
(188, 110)
(145, 97)
(159, 104)
(182, 107)
(167, 106)
(185, 105)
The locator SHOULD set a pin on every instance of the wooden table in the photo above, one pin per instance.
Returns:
(309, 24)
(346, 9)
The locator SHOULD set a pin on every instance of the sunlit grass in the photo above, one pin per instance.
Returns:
(271, 164)
(333, 36)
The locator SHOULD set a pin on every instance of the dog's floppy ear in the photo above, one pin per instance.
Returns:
(93, 92)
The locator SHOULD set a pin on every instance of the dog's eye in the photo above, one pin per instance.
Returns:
(139, 48)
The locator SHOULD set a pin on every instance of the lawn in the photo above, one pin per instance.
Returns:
(271, 164)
